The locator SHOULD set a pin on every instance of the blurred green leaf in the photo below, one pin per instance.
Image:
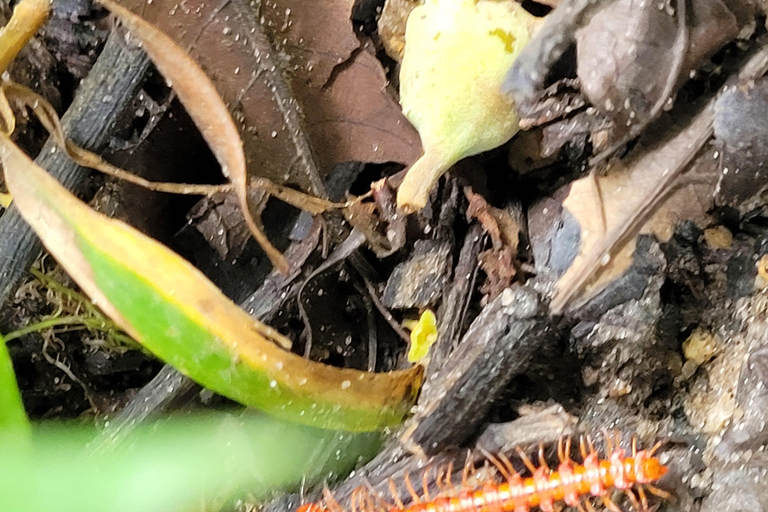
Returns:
(175, 465)
(12, 415)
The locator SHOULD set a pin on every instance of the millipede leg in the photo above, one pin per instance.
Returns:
(373, 501)
(449, 476)
(496, 463)
(468, 467)
(564, 452)
(395, 494)
(611, 505)
(643, 498)
(582, 447)
(591, 445)
(510, 469)
(542, 461)
(641, 505)
(425, 484)
(659, 492)
(526, 460)
(408, 485)
(443, 478)
(608, 441)
(353, 501)
(330, 501)
(655, 448)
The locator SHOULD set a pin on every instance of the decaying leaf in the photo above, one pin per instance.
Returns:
(650, 175)
(456, 55)
(498, 262)
(340, 85)
(168, 306)
(205, 107)
(333, 93)
(632, 56)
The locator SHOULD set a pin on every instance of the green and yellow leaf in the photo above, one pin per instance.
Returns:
(173, 310)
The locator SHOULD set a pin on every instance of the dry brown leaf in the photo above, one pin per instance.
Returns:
(632, 55)
(653, 169)
(498, 263)
(205, 107)
(340, 85)
(498, 223)
(633, 199)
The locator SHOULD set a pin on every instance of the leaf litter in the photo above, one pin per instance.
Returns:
(622, 153)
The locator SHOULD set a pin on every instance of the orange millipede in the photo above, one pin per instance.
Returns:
(570, 483)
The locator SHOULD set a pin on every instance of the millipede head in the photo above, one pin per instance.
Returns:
(648, 469)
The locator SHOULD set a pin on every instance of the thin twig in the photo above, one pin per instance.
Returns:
(50, 120)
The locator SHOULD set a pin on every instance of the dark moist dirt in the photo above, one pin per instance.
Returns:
(671, 347)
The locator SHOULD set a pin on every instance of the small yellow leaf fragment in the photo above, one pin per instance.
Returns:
(423, 335)
(457, 53)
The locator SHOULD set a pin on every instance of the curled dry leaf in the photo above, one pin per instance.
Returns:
(205, 107)
(169, 306)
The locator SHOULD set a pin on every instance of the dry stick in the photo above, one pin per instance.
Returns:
(102, 96)
(702, 129)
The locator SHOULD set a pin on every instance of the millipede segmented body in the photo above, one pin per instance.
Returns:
(571, 483)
